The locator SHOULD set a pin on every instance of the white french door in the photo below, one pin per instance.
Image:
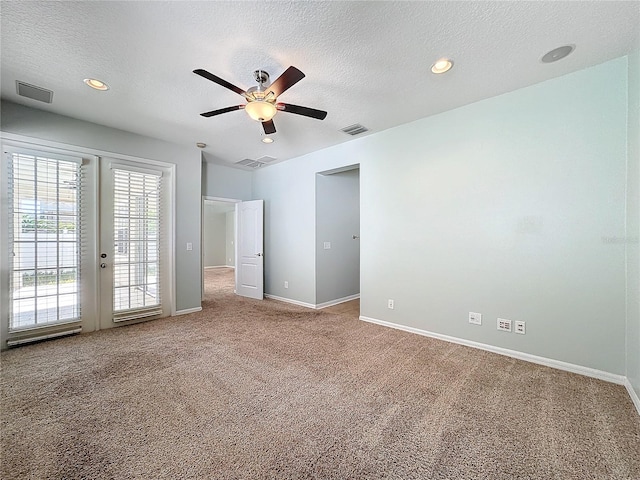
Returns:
(134, 258)
(48, 277)
(85, 242)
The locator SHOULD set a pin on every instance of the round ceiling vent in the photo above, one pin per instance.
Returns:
(557, 53)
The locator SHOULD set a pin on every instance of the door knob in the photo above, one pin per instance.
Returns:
(103, 255)
(103, 265)
(259, 254)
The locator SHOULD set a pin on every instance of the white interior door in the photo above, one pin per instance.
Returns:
(249, 249)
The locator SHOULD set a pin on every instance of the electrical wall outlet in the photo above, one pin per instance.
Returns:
(390, 304)
(519, 327)
(475, 318)
(327, 245)
(286, 284)
(504, 325)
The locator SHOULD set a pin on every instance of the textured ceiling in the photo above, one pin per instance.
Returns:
(365, 62)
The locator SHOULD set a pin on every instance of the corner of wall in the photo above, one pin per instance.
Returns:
(632, 346)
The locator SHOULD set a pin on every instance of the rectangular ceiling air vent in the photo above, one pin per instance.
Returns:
(247, 162)
(33, 92)
(355, 129)
(265, 159)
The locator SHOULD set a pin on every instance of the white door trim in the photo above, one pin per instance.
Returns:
(220, 199)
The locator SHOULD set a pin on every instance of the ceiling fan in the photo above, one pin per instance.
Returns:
(262, 102)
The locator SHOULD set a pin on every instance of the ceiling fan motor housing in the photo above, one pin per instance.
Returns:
(259, 93)
(261, 77)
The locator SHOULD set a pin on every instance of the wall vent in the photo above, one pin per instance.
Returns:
(355, 129)
(33, 92)
(247, 162)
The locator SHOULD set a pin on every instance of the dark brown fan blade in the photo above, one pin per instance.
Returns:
(306, 111)
(269, 127)
(288, 79)
(222, 110)
(219, 81)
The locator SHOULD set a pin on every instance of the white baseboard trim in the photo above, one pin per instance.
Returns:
(311, 305)
(632, 393)
(23, 341)
(186, 311)
(218, 266)
(289, 300)
(547, 362)
(338, 301)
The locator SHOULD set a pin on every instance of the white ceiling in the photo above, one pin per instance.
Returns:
(366, 62)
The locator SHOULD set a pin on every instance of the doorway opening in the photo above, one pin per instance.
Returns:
(218, 237)
(246, 242)
(338, 237)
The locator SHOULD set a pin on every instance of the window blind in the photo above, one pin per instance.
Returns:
(136, 237)
(44, 239)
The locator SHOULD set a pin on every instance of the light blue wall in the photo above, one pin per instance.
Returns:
(633, 225)
(289, 192)
(42, 125)
(225, 182)
(513, 207)
(214, 235)
(230, 240)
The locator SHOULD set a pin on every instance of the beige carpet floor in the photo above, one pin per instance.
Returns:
(260, 389)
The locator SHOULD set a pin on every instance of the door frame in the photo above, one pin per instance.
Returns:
(235, 241)
(93, 230)
(105, 166)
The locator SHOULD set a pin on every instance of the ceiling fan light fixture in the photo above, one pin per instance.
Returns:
(261, 111)
(441, 66)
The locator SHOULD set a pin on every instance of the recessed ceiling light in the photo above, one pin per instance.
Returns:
(267, 140)
(557, 54)
(97, 84)
(442, 65)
